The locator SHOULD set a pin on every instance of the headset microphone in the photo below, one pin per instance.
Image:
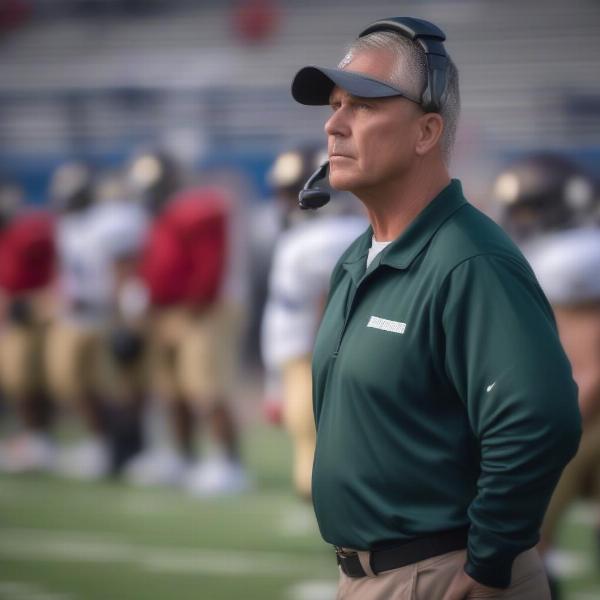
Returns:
(310, 198)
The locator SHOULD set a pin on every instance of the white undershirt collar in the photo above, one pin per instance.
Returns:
(375, 249)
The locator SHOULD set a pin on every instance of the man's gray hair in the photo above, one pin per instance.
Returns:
(410, 74)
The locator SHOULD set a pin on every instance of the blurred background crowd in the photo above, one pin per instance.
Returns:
(159, 287)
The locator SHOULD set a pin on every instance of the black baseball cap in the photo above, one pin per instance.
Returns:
(313, 86)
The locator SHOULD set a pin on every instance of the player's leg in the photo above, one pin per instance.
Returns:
(170, 450)
(21, 378)
(72, 358)
(207, 369)
(299, 420)
(122, 377)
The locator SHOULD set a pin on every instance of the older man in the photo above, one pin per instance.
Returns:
(444, 403)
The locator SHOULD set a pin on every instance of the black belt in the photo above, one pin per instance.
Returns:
(404, 554)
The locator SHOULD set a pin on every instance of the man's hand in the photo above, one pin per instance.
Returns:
(462, 586)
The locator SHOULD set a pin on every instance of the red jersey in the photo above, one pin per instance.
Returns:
(185, 256)
(27, 253)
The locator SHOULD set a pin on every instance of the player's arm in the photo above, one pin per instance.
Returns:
(275, 333)
(124, 236)
(589, 397)
(207, 244)
(579, 327)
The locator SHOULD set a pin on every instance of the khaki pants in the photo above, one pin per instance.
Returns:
(194, 355)
(429, 579)
(78, 362)
(299, 420)
(75, 358)
(20, 360)
(21, 351)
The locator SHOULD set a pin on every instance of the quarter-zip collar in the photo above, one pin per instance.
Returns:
(406, 247)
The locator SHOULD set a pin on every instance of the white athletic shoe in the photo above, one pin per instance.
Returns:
(27, 452)
(157, 466)
(217, 476)
(89, 460)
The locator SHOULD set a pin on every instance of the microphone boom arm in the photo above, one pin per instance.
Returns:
(313, 197)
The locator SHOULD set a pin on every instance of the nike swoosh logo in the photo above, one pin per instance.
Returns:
(490, 387)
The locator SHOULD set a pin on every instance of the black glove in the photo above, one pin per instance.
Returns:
(126, 346)
(19, 312)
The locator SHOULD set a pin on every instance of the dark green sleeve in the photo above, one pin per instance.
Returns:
(504, 358)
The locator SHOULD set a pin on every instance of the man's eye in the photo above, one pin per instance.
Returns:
(363, 106)
(334, 107)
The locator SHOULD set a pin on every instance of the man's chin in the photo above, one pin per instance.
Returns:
(342, 183)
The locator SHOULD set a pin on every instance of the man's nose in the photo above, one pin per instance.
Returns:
(337, 124)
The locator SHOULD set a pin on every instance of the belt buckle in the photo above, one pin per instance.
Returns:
(349, 562)
(341, 552)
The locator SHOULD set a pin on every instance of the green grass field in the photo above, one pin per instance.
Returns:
(72, 541)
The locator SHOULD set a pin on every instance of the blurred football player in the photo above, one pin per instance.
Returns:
(121, 226)
(304, 257)
(551, 206)
(544, 192)
(27, 257)
(193, 336)
(92, 236)
(567, 265)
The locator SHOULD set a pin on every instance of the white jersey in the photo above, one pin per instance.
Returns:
(88, 243)
(303, 260)
(567, 265)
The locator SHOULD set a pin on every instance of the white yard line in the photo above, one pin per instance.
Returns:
(80, 546)
(312, 590)
(22, 590)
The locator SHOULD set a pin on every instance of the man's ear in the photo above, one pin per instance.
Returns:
(431, 126)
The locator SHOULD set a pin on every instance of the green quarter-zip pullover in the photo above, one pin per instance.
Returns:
(442, 395)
